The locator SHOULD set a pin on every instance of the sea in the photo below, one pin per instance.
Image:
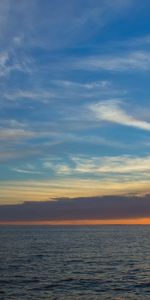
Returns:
(75, 262)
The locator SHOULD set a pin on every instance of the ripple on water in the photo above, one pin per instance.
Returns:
(99, 262)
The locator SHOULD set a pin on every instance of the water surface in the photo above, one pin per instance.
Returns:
(74, 262)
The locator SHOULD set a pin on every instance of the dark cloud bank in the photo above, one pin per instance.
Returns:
(106, 207)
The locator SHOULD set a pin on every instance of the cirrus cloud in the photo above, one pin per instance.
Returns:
(112, 111)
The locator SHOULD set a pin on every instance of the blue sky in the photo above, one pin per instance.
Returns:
(74, 98)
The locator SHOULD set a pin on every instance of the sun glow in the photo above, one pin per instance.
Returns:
(139, 221)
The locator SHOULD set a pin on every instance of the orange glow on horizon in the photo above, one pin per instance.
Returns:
(139, 221)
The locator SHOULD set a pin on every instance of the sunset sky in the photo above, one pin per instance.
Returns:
(75, 111)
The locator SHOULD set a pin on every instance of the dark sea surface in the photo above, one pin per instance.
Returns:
(75, 262)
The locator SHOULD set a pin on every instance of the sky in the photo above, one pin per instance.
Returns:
(75, 111)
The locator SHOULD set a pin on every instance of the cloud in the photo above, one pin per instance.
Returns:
(60, 24)
(15, 134)
(124, 164)
(87, 208)
(86, 86)
(14, 138)
(3, 61)
(14, 191)
(42, 96)
(11, 61)
(26, 171)
(112, 111)
(134, 61)
(58, 168)
(78, 91)
(114, 168)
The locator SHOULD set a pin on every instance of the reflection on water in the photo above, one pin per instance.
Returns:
(75, 262)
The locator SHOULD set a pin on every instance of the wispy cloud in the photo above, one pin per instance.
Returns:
(3, 62)
(113, 111)
(10, 153)
(115, 164)
(26, 171)
(136, 60)
(15, 134)
(105, 166)
(61, 24)
(12, 192)
(38, 95)
(86, 86)
(11, 61)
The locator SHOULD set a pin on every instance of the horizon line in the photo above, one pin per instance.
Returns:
(138, 221)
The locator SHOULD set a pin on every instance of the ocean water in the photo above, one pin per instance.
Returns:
(74, 262)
